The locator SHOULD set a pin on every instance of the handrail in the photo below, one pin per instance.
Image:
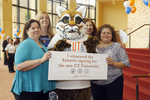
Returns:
(135, 76)
(137, 85)
(138, 28)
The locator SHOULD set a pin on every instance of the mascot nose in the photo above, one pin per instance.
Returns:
(72, 23)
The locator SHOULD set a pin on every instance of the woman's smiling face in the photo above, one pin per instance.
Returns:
(34, 31)
(44, 20)
(89, 26)
(106, 35)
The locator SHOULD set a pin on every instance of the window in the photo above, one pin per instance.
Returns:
(91, 8)
(51, 10)
(22, 11)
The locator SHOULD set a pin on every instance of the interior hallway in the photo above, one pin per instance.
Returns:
(6, 80)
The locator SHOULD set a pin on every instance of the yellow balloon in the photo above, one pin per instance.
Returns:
(0, 37)
(131, 2)
(3, 31)
(19, 31)
(133, 9)
(17, 34)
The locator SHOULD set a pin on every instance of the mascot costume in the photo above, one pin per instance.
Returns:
(71, 37)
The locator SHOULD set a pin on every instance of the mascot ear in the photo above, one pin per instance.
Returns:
(82, 10)
(59, 10)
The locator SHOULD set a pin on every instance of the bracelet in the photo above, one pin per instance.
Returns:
(39, 61)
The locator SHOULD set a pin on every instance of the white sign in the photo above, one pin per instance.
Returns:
(77, 66)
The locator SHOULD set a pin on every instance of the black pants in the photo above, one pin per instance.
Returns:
(5, 58)
(31, 96)
(112, 91)
(11, 62)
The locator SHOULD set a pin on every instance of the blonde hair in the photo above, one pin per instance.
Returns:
(50, 30)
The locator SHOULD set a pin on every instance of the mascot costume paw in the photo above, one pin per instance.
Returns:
(71, 37)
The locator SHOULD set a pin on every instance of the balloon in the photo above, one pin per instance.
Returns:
(131, 2)
(0, 30)
(133, 9)
(3, 31)
(3, 35)
(126, 4)
(17, 30)
(0, 37)
(149, 3)
(128, 10)
(17, 34)
(146, 2)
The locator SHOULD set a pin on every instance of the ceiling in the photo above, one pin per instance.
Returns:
(109, 0)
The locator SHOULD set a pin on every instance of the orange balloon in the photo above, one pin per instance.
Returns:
(19, 31)
(149, 3)
(131, 2)
(133, 9)
(17, 34)
(3, 31)
(0, 37)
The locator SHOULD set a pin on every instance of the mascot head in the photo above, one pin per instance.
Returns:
(71, 25)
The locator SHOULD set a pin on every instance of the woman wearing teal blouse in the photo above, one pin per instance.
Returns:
(31, 61)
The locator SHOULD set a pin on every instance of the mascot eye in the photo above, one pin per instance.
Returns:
(78, 20)
(66, 20)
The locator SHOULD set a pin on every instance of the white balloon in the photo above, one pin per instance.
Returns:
(123, 36)
(3, 34)
(126, 4)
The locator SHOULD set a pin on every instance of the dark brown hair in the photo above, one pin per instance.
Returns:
(18, 40)
(111, 28)
(27, 26)
(94, 26)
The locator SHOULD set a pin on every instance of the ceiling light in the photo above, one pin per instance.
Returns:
(113, 1)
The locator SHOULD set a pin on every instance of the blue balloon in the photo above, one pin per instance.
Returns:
(15, 35)
(17, 30)
(146, 2)
(127, 10)
(0, 30)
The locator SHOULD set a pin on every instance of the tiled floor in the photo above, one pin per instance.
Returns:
(6, 80)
